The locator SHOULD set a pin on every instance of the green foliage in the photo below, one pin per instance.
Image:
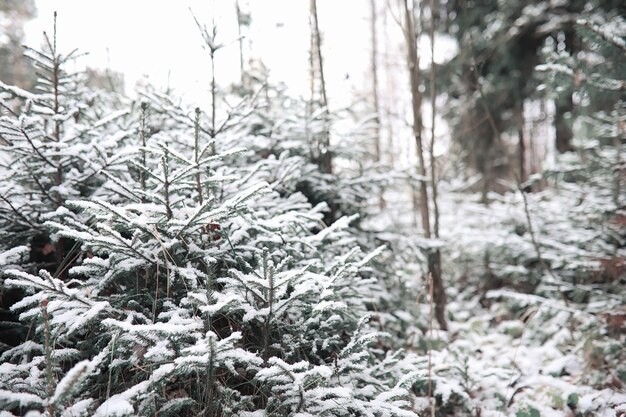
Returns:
(529, 412)
(194, 273)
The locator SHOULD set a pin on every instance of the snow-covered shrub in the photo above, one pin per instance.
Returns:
(200, 279)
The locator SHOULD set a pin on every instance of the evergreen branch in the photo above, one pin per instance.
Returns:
(38, 56)
(122, 186)
(35, 148)
(146, 170)
(41, 187)
(133, 250)
(603, 34)
(19, 214)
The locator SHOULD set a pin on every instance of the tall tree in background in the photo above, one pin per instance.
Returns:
(375, 100)
(434, 263)
(374, 75)
(243, 26)
(568, 39)
(597, 74)
(322, 144)
(13, 69)
(416, 101)
(491, 78)
(390, 89)
(493, 75)
(434, 260)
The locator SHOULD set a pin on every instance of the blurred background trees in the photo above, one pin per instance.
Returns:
(375, 243)
(13, 68)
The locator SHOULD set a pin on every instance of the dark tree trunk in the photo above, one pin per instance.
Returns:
(565, 104)
(562, 126)
(434, 258)
(521, 145)
(439, 291)
(325, 162)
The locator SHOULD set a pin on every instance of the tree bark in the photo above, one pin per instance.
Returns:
(239, 33)
(521, 145)
(390, 92)
(564, 105)
(434, 264)
(434, 257)
(564, 132)
(416, 102)
(374, 69)
(325, 157)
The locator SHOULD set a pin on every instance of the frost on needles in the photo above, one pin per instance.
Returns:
(168, 268)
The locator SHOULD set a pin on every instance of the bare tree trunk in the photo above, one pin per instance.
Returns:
(564, 105)
(564, 133)
(318, 51)
(617, 143)
(325, 158)
(213, 102)
(434, 263)
(416, 101)
(434, 258)
(374, 68)
(390, 92)
(374, 58)
(433, 103)
(311, 139)
(521, 147)
(239, 24)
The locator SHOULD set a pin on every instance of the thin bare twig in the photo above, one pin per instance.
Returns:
(430, 344)
(533, 237)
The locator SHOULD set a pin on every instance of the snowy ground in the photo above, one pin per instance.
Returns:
(510, 353)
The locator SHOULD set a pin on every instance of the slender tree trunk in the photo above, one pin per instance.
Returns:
(416, 101)
(325, 157)
(564, 133)
(390, 93)
(564, 105)
(239, 24)
(617, 143)
(318, 52)
(374, 64)
(434, 258)
(311, 139)
(433, 103)
(374, 69)
(521, 145)
(142, 172)
(213, 102)
(196, 149)
(434, 264)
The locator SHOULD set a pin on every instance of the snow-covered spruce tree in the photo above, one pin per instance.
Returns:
(204, 284)
(282, 125)
(278, 134)
(53, 143)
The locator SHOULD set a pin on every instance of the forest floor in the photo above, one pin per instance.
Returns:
(545, 363)
(515, 349)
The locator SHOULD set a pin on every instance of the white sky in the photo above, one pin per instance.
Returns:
(157, 38)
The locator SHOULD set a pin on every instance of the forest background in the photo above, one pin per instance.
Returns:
(376, 208)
